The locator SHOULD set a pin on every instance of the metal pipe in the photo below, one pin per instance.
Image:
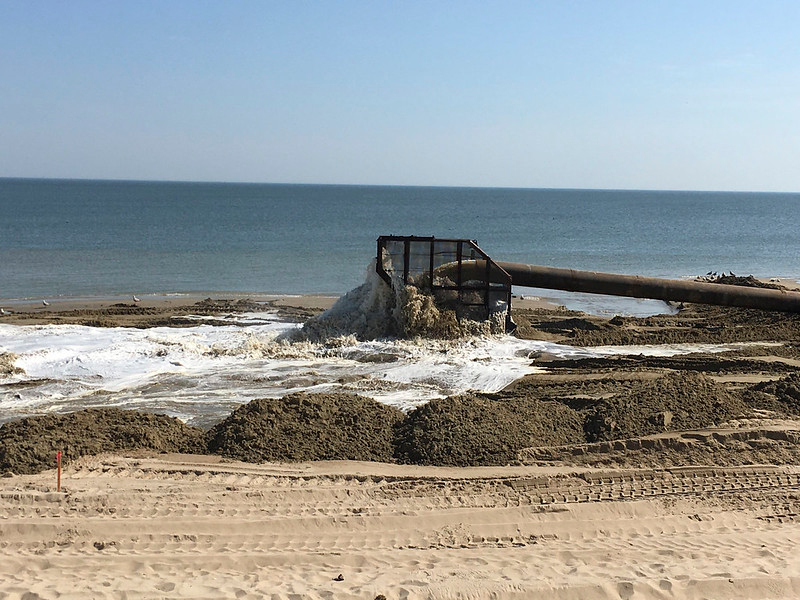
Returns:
(647, 287)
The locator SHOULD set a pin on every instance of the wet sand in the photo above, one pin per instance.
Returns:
(153, 310)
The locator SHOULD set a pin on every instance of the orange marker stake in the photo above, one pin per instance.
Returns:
(58, 464)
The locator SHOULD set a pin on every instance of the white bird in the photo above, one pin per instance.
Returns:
(45, 303)
(3, 311)
(135, 299)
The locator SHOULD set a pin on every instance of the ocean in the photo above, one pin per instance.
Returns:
(109, 239)
(69, 238)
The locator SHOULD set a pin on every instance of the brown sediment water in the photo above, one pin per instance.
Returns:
(377, 310)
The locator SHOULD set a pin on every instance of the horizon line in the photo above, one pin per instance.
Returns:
(397, 185)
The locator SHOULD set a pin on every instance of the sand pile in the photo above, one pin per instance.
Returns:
(307, 427)
(782, 396)
(457, 431)
(673, 402)
(30, 444)
(748, 281)
(479, 430)
(468, 430)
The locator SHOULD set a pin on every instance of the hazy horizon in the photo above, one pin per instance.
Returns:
(401, 185)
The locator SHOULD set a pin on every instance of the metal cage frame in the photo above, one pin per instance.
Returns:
(421, 256)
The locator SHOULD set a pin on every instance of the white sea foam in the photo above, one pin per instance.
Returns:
(258, 318)
(201, 373)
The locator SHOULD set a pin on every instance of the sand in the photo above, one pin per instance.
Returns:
(154, 310)
(711, 512)
(177, 526)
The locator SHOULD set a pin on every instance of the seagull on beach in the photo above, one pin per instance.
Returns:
(3, 311)
(45, 303)
(135, 299)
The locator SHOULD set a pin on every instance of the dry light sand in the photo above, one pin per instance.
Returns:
(180, 526)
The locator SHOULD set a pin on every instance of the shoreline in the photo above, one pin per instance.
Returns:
(522, 299)
(34, 312)
(58, 304)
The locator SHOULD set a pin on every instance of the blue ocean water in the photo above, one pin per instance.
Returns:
(78, 238)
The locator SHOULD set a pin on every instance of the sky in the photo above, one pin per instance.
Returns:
(646, 94)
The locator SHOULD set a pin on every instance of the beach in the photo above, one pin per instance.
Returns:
(399, 301)
(640, 475)
(175, 526)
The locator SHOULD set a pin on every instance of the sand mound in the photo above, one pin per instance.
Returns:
(477, 430)
(30, 444)
(781, 396)
(673, 402)
(748, 281)
(307, 427)
(467, 430)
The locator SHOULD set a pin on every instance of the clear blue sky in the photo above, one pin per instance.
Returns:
(644, 94)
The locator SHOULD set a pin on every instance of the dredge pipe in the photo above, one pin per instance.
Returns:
(635, 286)
(651, 287)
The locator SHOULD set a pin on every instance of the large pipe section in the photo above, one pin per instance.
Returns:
(635, 286)
(651, 287)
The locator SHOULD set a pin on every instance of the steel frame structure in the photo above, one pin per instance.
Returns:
(446, 268)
